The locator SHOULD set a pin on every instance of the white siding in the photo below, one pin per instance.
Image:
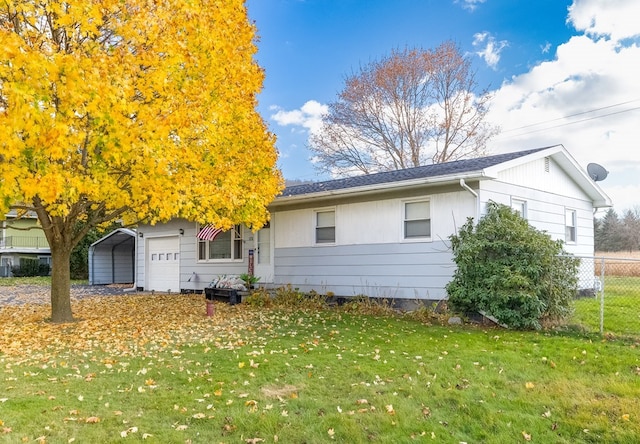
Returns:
(193, 275)
(546, 211)
(373, 222)
(534, 175)
(403, 271)
(370, 255)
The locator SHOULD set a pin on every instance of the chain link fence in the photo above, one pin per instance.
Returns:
(608, 299)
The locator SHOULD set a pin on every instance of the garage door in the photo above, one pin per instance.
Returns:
(163, 259)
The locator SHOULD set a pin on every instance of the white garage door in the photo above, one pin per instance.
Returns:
(163, 259)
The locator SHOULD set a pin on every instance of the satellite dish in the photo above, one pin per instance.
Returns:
(597, 172)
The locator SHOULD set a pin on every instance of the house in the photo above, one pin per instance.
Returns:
(381, 235)
(112, 258)
(21, 239)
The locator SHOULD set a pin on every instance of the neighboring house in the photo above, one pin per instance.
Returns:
(21, 238)
(381, 235)
(112, 258)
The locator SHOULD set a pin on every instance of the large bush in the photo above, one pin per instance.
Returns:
(508, 269)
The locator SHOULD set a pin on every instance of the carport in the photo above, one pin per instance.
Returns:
(112, 258)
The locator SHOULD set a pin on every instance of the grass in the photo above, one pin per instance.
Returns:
(154, 368)
(34, 280)
(621, 307)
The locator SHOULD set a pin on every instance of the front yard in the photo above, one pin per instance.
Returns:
(155, 368)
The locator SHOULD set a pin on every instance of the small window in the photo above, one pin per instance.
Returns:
(570, 226)
(520, 207)
(325, 227)
(226, 245)
(154, 257)
(417, 220)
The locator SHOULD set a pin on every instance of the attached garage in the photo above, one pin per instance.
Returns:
(112, 258)
(163, 262)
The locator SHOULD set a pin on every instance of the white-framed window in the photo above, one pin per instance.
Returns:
(325, 226)
(520, 207)
(227, 246)
(417, 219)
(570, 222)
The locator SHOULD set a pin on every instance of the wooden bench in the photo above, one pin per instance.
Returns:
(222, 294)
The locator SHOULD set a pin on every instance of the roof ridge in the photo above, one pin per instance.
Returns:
(423, 171)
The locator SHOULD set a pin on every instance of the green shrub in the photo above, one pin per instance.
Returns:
(508, 269)
(30, 267)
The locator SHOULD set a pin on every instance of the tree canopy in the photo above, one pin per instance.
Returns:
(408, 109)
(614, 233)
(131, 110)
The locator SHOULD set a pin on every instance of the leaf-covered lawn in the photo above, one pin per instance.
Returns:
(155, 368)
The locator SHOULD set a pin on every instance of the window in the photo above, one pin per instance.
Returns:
(417, 219)
(520, 206)
(325, 227)
(226, 245)
(570, 225)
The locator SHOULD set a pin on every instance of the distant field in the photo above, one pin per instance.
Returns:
(619, 263)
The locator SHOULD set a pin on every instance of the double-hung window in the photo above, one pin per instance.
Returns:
(325, 226)
(520, 207)
(227, 245)
(570, 223)
(417, 219)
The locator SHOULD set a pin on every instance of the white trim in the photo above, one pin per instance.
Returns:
(403, 219)
(315, 226)
(230, 260)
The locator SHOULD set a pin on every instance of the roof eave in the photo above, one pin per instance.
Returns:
(383, 187)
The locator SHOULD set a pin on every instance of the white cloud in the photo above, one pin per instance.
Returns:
(617, 19)
(587, 99)
(309, 116)
(470, 5)
(490, 48)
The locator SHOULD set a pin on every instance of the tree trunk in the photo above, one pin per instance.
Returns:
(61, 284)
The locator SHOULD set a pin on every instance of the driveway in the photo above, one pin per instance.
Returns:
(40, 294)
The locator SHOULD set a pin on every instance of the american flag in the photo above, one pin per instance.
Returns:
(208, 232)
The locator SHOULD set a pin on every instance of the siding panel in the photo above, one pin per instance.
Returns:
(412, 270)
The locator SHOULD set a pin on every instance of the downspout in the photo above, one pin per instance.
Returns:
(464, 185)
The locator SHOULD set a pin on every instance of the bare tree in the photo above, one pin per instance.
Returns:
(411, 108)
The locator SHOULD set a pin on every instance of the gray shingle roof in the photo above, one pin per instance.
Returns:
(435, 170)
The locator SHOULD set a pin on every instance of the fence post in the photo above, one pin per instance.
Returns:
(602, 275)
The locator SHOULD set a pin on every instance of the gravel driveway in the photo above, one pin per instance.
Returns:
(40, 294)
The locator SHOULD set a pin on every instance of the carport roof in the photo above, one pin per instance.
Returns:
(115, 237)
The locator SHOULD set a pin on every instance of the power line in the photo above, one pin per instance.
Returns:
(546, 128)
(572, 115)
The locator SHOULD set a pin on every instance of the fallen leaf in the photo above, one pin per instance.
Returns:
(92, 420)
(526, 436)
(529, 385)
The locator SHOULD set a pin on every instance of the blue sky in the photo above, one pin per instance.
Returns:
(562, 72)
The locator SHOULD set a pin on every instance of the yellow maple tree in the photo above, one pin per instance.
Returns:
(133, 110)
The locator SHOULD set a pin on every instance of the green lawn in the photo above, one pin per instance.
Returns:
(621, 308)
(34, 280)
(155, 369)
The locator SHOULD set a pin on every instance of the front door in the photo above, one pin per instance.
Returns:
(264, 255)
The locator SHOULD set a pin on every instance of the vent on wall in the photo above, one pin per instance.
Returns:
(547, 161)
